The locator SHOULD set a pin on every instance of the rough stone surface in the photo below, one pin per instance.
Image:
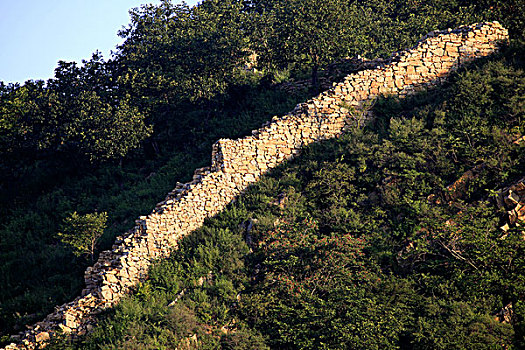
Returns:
(512, 200)
(238, 163)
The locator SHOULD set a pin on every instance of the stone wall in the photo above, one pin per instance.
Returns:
(238, 163)
(332, 73)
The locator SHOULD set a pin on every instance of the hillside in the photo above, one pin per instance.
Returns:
(387, 237)
(49, 173)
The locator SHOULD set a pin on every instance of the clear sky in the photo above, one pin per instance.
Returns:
(36, 34)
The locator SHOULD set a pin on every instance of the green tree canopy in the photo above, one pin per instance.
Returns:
(304, 33)
(79, 112)
(174, 52)
(82, 232)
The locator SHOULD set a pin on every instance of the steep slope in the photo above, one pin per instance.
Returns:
(391, 236)
(237, 164)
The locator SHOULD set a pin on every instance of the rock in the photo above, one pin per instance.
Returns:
(200, 281)
(106, 293)
(64, 329)
(42, 337)
(512, 199)
(506, 314)
(110, 278)
(70, 321)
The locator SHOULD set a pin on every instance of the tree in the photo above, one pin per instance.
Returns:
(100, 130)
(174, 52)
(82, 232)
(94, 118)
(80, 112)
(305, 33)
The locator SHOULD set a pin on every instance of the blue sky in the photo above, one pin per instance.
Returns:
(36, 34)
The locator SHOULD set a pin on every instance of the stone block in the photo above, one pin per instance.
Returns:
(42, 337)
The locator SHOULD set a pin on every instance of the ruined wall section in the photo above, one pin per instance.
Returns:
(238, 163)
(425, 65)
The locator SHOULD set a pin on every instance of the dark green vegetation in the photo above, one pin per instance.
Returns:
(358, 243)
(114, 135)
(37, 271)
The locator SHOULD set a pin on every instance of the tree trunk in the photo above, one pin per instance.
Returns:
(315, 78)
(92, 251)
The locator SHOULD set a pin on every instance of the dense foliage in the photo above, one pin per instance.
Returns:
(37, 272)
(83, 232)
(114, 135)
(359, 243)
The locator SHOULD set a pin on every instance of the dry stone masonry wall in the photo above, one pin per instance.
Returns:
(238, 163)
(332, 73)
